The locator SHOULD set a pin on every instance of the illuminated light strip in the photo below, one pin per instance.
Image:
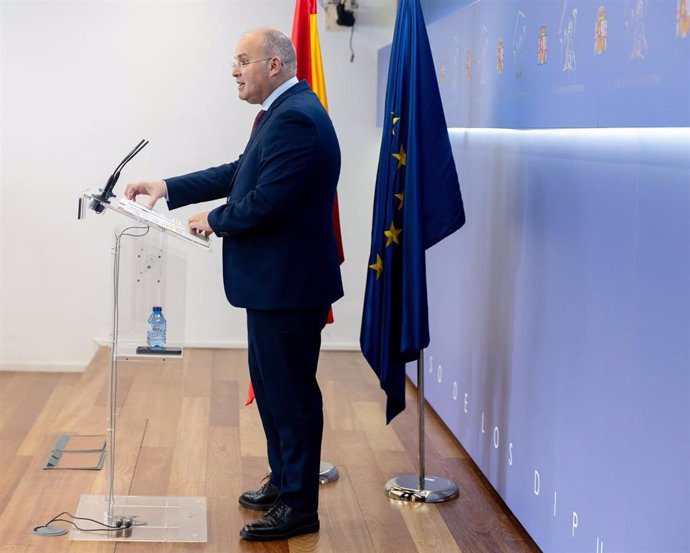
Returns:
(580, 132)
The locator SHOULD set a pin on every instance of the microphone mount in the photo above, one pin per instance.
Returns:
(105, 193)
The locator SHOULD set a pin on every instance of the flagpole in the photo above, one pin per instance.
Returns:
(420, 418)
(419, 487)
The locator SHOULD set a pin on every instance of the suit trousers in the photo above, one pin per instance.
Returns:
(283, 354)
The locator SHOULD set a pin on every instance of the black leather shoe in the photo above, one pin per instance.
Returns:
(261, 499)
(280, 523)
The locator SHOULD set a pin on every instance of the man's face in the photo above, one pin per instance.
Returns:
(253, 80)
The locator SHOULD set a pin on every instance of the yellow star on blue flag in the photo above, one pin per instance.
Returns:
(392, 235)
(378, 266)
(401, 156)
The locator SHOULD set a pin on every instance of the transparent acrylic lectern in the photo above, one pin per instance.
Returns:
(157, 275)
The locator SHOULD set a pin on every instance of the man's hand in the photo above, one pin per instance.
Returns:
(198, 224)
(154, 189)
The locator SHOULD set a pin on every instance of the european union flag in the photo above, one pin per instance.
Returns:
(417, 203)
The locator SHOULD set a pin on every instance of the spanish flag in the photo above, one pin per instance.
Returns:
(305, 37)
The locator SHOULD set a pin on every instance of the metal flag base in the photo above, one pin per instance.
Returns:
(419, 487)
(436, 490)
(328, 473)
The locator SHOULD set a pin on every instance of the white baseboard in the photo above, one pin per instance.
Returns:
(44, 367)
(335, 346)
(230, 344)
(200, 344)
(60, 366)
(215, 344)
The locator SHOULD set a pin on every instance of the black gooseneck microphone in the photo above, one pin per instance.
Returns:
(106, 192)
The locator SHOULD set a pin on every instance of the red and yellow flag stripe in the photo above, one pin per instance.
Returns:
(305, 37)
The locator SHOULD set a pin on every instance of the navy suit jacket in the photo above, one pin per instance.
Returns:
(279, 247)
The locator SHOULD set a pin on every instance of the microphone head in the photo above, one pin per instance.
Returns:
(97, 206)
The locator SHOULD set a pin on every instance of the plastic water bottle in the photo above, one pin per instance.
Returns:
(157, 326)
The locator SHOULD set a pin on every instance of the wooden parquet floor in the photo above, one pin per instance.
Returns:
(182, 429)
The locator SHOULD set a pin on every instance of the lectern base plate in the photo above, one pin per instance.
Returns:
(154, 519)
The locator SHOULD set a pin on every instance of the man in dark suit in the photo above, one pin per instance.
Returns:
(280, 263)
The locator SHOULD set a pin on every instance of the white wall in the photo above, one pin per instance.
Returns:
(82, 82)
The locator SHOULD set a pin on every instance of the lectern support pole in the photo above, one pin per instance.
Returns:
(112, 388)
(112, 384)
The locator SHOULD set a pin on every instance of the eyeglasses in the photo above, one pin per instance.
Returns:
(240, 64)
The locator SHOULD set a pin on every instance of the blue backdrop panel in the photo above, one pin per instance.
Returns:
(564, 63)
(560, 324)
(560, 313)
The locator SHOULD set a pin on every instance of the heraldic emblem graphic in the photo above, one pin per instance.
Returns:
(543, 46)
(567, 34)
(601, 31)
(519, 42)
(682, 19)
(637, 19)
(483, 55)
